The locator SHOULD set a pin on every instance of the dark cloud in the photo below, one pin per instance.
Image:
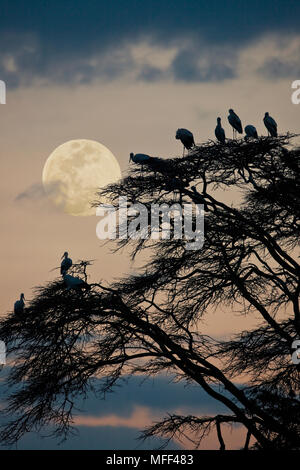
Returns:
(190, 66)
(158, 394)
(150, 74)
(77, 41)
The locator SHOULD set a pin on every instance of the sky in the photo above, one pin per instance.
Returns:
(126, 74)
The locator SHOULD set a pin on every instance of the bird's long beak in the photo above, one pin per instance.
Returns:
(62, 256)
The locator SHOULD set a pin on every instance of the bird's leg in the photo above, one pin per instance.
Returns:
(183, 152)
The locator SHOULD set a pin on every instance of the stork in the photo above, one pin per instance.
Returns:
(75, 282)
(176, 184)
(139, 158)
(271, 125)
(235, 122)
(19, 305)
(172, 184)
(250, 131)
(219, 131)
(186, 137)
(65, 264)
(199, 198)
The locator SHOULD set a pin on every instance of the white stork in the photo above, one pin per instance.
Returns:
(235, 122)
(219, 131)
(65, 264)
(271, 125)
(250, 131)
(141, 158)
(19, 305)
(186, 138)
(75, 282)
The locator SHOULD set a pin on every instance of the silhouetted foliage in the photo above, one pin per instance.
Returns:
(150, 322)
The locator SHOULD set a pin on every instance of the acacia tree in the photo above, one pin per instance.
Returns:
(150, 322)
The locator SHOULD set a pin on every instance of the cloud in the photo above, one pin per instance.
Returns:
(35, 192)
(159, 394)
(94, 438)
(139, 418)
(281, 58)
(276, 69)
(150, 74)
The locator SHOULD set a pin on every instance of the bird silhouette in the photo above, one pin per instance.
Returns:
(65, 264)
(75, 282)
(219, 131)
(186, 138)
(270, 124)
(19, 305)
(250, 131)
(139, 158)
(235, 122)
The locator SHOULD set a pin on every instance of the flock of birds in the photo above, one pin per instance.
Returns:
(71, 282)
(187, 139)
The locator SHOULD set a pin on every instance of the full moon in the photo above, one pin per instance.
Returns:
(75, 171)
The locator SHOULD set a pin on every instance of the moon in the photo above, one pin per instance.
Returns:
(75, 171)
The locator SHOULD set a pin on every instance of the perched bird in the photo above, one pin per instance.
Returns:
(186, 137)
(65, 264)
(19, 305)
(75, 282)
(250, 131)
(271, 125)
(219, 132)
(235, 122)
(142, 158)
